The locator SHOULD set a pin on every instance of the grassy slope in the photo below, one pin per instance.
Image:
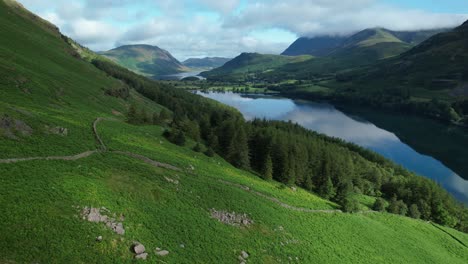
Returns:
(40, 224)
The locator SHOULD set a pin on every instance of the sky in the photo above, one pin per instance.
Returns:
(226, 28)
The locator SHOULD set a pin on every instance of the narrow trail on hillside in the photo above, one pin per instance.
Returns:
(452, 236)
(282, 204)
(73, 157)
(103, 149)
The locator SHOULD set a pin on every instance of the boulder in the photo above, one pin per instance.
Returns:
(138, 248)
(162, 253)
(142, 256)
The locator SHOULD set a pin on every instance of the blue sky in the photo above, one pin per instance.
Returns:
(198, 28)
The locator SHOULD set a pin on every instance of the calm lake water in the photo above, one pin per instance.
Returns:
(326, 119)
(180, 76)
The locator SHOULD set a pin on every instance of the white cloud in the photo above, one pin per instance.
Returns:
(223, 6)
(224, 27)
(319, 17)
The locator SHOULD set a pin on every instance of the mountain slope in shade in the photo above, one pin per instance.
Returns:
(147, 60)
(325, 45)
(208, 62)
(316, 46)
(439, 63)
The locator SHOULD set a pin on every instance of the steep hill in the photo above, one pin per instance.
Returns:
(437, 64)
(208, 62)
(148, 60)
(80, 184)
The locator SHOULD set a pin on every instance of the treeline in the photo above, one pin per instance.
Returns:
(395, 99)
(291, 154)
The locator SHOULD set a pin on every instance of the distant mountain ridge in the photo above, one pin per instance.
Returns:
(207, 62)
(325, 45)
(147, 60)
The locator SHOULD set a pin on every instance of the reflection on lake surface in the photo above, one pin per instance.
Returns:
(325, 118)
(180, 76)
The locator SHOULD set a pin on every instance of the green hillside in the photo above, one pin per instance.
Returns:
(251, 63)
(147, 60)
(438, 64)
(69, 145)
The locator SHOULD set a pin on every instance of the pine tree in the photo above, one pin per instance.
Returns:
(179, 138)
(379, 205)
(132, 116)
(197, 147)
(164, 115)
(209, 152)
(414, 211)
(156, 119)
(327, 190)
(267, 171)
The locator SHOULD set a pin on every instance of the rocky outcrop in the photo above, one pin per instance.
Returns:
(99, 215)
(231, 218)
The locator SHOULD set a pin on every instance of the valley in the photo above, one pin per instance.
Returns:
(127, 156)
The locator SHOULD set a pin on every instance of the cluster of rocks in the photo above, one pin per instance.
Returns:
(61, 131)
(99, 215)
(139, 251)
(174, 181)
(243, 257)
(231, 218)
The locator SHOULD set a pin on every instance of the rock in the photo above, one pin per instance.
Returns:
(138, 248)
(119, 229)
(61, 131)
(162, 253)
(142, 256)
(94, 215)
(182, 245)
(99, 238)
(293, 189)
(244, 254)
(10, 127)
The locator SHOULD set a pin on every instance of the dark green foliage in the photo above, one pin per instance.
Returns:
(350, 205)
(267, 171)
(326, 190)
(210, 152)
(379, 205)
(414, 211)
(132, 115)
(197, 147)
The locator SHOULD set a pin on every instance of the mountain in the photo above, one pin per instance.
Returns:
(208, 62)
(332, 54)
(316, 46)
(249, 63)
(148, 60)
(85, 174)
(437, 64)
(322, 46)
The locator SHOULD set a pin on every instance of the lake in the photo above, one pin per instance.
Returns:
(326, 119)
(180, 76)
